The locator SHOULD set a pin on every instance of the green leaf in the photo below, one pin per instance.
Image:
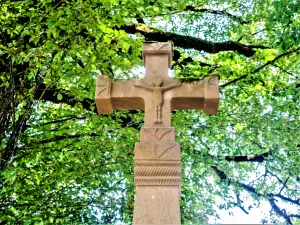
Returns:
(51, 25)
(59, 96)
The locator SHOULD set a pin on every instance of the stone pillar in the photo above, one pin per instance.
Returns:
(157, 177)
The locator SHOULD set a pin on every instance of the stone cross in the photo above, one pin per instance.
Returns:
(157, 172)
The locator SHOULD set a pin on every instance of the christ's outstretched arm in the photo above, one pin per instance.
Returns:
(144, 86)
(171, 86)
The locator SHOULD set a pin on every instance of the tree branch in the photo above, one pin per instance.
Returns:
(283, 70)
(193, 9)
(248, 158)
(239, 204)
(63, 120)
(216, 12)
(256, 158)
(249, 188)
(283, 183)
(189, 42)
(279, 211)
(51, 95)
(295, 215)
(89, 104)
(222, 175)
(64, 137)
(185, 61)
(259, 68)
(297, 202)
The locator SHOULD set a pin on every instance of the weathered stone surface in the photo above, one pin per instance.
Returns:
(211, 95)
(157, 205)
(103, 92)
(157, 157)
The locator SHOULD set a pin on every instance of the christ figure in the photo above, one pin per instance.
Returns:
(157, 96)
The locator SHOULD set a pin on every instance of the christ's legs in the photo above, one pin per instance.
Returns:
(158, 114)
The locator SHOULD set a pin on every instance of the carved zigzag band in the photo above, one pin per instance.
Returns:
(157, 171)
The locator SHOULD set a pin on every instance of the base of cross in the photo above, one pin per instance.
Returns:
(157, 177)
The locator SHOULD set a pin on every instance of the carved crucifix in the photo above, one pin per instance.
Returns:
(157, 95)
(157, 155)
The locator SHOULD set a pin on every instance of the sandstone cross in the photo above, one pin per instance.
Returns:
(157, 173)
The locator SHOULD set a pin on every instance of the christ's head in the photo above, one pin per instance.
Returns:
(157, 81)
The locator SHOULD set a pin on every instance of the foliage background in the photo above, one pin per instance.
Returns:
(62, 163)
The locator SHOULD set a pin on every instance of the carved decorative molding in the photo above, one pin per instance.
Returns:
(157, 134)
(211, 95)
(157, 171)
(157, 150)
(157, 181)
(213, 84)
(103, 86)
(157, 46)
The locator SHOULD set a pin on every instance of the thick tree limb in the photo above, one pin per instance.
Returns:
(248, 158)
(256, 158)
(295, 215)
(189, 42)
(297, 202)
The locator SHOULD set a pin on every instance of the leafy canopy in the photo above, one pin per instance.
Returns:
(62, 163)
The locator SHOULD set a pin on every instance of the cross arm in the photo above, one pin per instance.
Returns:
(200, 95)
(121, 94)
